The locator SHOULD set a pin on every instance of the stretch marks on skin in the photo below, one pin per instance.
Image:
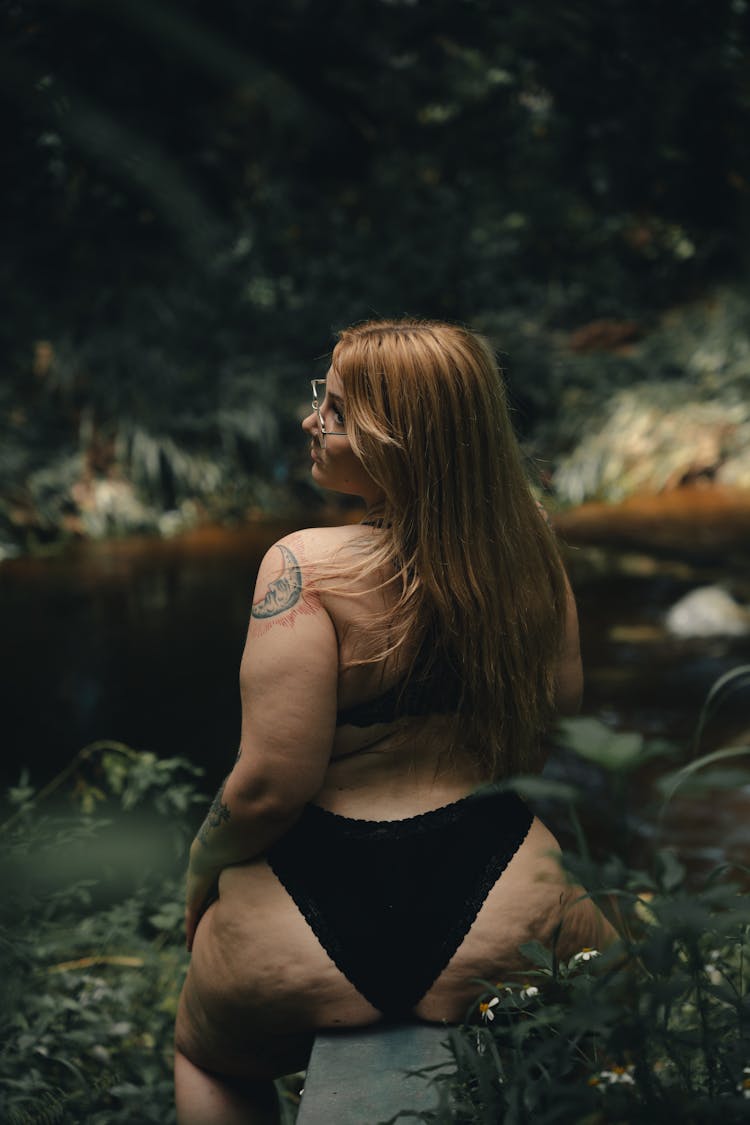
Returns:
(284, 598)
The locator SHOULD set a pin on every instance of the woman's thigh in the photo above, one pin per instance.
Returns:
(531, 901)
(259, 982)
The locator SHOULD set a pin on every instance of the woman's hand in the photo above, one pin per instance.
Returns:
(201, 890)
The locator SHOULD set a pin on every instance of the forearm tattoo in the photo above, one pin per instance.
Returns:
(283, 599)
(217, 814)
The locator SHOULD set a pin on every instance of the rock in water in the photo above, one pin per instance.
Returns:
(708, 611)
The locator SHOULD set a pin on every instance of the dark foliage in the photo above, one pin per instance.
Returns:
(197, 195)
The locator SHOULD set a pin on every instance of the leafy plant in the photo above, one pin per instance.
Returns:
(91, 933)
(656, 1027)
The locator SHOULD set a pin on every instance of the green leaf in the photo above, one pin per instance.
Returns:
(671, 871)
(537, 953)
(670, 783)
(596, 742)
(735, 679)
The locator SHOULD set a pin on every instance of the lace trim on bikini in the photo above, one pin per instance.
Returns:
(445, 949)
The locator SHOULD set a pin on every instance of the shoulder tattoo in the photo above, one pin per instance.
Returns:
(284, 598)
(284, 592)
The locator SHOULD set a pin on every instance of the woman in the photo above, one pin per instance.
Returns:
(391, 669)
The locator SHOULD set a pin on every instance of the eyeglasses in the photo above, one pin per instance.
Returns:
(323, 433)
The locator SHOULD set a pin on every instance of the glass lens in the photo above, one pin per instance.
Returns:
(319, 391)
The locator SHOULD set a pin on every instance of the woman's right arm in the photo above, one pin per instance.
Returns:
(288, 681)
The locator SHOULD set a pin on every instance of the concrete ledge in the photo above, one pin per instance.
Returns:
(360, 1076)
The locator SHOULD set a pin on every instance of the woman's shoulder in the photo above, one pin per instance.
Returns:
(320, 550)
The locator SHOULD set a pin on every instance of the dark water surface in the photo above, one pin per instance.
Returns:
(139, 641)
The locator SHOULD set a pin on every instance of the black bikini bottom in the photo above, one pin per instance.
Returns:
(391, 901)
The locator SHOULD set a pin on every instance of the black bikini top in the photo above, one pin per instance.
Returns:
(438, 695)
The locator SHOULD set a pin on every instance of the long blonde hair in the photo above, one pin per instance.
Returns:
(481, 588)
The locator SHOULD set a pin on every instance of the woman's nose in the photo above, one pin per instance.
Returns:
(310, 423)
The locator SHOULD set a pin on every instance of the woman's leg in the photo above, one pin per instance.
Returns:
(531, 900)
(205, 1099)
(258, 986)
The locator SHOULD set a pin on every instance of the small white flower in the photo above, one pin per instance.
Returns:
(529, 991)
(711, 969)
(586, 954)
(485, 1008)
(618, 1076)
(743, 1087)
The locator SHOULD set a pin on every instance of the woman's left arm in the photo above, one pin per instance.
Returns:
(569, 672)
(288, 679)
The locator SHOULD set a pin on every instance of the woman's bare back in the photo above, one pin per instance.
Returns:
(260, 982)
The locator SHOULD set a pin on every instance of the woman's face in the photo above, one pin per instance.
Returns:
(337, 467)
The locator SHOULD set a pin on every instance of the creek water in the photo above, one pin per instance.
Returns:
(139, 641)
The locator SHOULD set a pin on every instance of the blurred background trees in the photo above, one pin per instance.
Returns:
(197, 195)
